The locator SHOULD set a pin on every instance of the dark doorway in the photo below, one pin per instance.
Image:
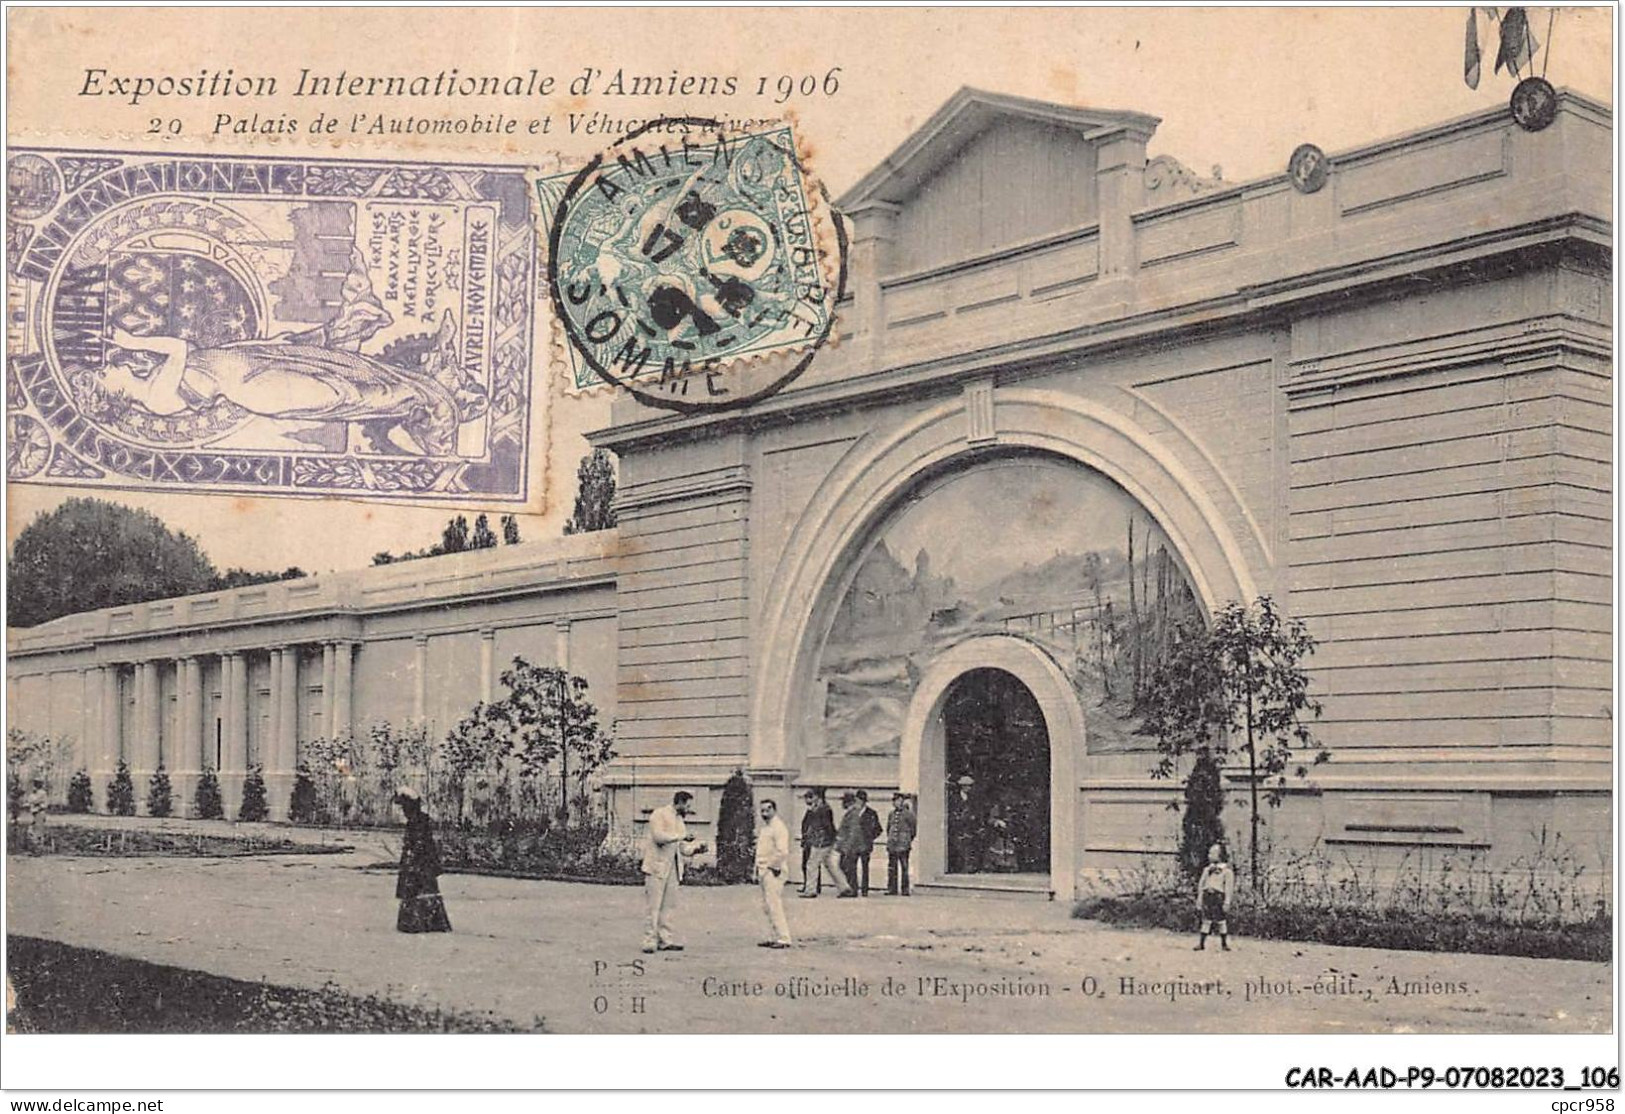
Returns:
(997, 765)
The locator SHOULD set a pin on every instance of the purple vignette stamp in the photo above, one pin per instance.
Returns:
(283, 325)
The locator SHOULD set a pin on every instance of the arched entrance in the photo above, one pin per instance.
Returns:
(1008, 689)
(996, 799)
(839, 719)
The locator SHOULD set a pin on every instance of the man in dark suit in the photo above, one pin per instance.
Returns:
(869, 826)
(849, 842)
(817, 841)
(901, 827)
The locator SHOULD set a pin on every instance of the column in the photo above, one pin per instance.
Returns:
(488, 663)
(89, 757)
(112, 728)
(561, 658)
(280, 756)
(271, 744)
(329, 718)
(234, 725)
(184, 754)
(343, 687)
(561, 636)
(288, 697)
(420, 677)
(148, 744)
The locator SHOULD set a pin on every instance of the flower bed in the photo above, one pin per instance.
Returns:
(69, 839)
(1381, 928)
(1543, 904)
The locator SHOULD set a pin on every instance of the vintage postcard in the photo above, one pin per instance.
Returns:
(792, 522)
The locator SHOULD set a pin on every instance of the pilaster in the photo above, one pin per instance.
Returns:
(343, 688)
(488, 652)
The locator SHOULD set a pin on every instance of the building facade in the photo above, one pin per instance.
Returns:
(1078, 397)
(242, 678)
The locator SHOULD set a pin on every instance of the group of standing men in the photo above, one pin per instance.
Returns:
(843, 849)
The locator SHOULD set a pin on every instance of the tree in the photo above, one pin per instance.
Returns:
(1202, 825)
(160, 797)
(29, 756)
(253, 806)
(243, 578)
(545, 716)
(81, 796)
(454, 538)
(1240, 678)
(88, 554)
(206, 800)
(121, 792)
(595, 494)
(302, 802)
(736, 830)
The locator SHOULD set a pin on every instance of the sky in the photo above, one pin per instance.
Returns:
(1235, 88)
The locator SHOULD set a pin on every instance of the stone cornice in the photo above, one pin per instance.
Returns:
(1034, 355)
(1509, 345)
(331, 605)
(730, 481)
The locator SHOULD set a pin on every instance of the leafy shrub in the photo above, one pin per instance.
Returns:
(121, 792)
(302, 803)
(81, 795)
(207, 803)
(735, 831)
(354, 779)
(121, 842)
(1539, 905)
(30, 756)
(160, 798)
(1201, 826)
(253, 806)
(587, 852)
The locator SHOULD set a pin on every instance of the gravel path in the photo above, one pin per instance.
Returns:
(953, 964)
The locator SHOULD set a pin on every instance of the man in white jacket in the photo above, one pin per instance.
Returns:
(667, 845)
(772, 868)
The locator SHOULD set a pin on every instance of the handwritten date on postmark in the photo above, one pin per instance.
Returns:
(269, 325)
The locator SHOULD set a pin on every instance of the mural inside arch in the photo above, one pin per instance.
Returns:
(1043, 549)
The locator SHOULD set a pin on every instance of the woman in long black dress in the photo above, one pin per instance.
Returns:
(418, 887)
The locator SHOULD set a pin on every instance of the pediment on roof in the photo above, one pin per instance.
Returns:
(965, 117)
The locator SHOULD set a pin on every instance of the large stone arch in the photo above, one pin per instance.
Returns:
(920, 763)
(880, 471)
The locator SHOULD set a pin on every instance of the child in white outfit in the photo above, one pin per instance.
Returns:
(1214, 889)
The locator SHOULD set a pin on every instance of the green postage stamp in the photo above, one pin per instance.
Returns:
(689, 265)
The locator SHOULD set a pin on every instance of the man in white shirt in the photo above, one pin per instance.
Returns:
(772, 868)
(667, 845)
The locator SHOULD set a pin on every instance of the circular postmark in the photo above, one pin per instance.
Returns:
(688, 265)
(1308, 168)
(32, 186)
(1534, 104)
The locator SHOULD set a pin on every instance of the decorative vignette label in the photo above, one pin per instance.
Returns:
(269, 325)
